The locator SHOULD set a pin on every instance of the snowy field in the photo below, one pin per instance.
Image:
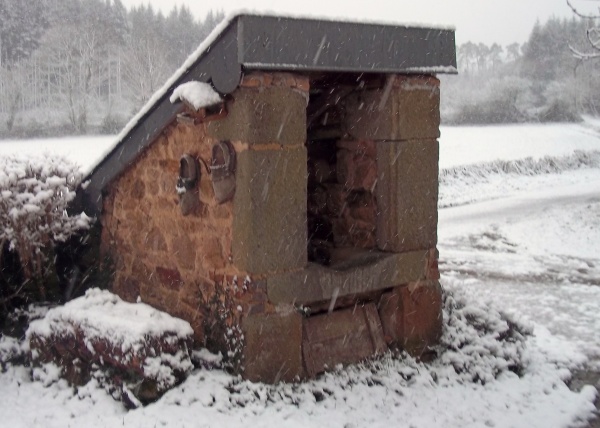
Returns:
(84, 151)
(518, 237)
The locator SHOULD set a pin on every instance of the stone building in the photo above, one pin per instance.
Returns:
(293, 219)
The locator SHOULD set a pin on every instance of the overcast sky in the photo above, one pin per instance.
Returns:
(488, 21)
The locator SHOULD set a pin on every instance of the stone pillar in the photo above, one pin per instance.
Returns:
(267, 122)
(407, 194)
(403, 118)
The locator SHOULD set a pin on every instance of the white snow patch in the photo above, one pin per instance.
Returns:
(197, 94)
(468, 145)
(84, 151)
(104, 316)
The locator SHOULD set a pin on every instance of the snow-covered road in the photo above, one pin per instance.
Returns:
(537, 254)
(461, 220)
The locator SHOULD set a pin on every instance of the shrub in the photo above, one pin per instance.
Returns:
(34, 195)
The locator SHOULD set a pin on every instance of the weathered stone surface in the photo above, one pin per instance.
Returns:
(411, 316)
(170, 278)
(269, 218)
(407, 110)
(265, 115)
(369, 272)
(341, 337)
(407, 193)
(273, 347)
(155, 240)
(356, 170)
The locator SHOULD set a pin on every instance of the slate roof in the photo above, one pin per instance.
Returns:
(245, 42)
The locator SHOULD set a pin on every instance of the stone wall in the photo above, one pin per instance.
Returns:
(205, 267)
(169, 260)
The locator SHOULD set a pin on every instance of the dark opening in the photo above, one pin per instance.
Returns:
(341, 205)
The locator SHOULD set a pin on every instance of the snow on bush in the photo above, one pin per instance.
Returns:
(479, 343)
(34, 194)
(138, 344)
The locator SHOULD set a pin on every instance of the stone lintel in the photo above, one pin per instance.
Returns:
(376, 271)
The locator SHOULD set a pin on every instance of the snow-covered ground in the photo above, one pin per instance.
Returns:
(467, 145)
(509, 241)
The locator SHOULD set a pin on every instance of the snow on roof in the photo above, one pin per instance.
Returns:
(104, 316)
(197, 94)
(210, 40)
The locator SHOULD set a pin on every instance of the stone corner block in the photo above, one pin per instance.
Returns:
(263, 115)
(407, 195)
(269, 210)
(273, 347)
(407, 111)
(411, 316)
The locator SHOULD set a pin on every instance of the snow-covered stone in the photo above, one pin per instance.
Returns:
(196, 94)
(147, 350)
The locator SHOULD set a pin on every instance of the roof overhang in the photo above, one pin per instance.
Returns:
(255, 42)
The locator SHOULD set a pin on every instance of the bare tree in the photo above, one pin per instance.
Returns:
(11, 89)
(592, 34)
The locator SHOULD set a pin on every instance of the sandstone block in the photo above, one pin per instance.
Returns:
(269, 220)
(268, 115)
(155, 240)
(273, 347)
(405, 111)
(411, 316)
(184, 250)
(342, 337)
(407, 193)
(170, 278)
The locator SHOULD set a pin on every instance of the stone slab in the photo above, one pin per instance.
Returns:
(407, 195)
(373, 271)
(273, 347)
(269, 210)
(342, 337)
(263, 115)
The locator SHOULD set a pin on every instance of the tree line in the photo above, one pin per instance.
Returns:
(80, 66)
(541, 80)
